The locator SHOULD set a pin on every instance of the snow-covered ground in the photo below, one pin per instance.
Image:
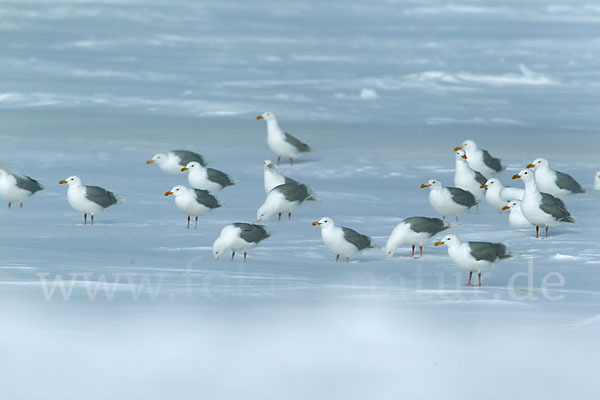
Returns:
(136, 306)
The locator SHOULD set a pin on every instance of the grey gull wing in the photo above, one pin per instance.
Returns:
(360, 241)
(100, 196)
(294, 191)
(432, 226)
(206, 199)
(555, 207)
(252, 233)
(492, 162)
(488, 251)
(480, 178)
(29, 184)
(219, 177)
(301, 147)
(462, 197)
(565, 181)
(186, 157)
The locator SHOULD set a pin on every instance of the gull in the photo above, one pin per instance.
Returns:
(480, 160)
(193, 202)
(209, 179)
(340, 240)
(283, 144)
(556, 183)
(414, 230)
(16, 187)
(516, 219)
(274, 178)
(474, 256)
(541, 208)
(497, 194)
(283, 199)
(173, 161)
(239, 236)
(89, 199)
(449, 201)
(466, 178)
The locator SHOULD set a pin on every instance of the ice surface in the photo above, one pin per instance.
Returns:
(136, 306)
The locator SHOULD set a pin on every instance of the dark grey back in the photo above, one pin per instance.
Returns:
(492, 162)
(566, 181)
(186, 157)
(489, 251)
(462, 197)
(555, 207)
(294, 191)
(252, 233)
(100, 196)
(432, 226)
(360, 241)
(302, 147)
(27, 183)
(480, 178)
(206, 199)
(219, 177)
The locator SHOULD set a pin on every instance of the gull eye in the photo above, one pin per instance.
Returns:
(448, 238)
(539, 162)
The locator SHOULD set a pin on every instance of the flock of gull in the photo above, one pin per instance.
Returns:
(539, 204)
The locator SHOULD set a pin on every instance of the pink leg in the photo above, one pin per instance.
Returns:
(291, 161)
(479, 274)
(278, 159)
(413, 251)
(196, 222)
(9, 204)
(245, 254)
(84, 218)
(188, 222)
(337, 257)
(420, 250)
(289, 215)
(470, 276)
(92, 219)
(21, 205)
(546, 231)
(232, 255)
(279, 219)
(537, 231)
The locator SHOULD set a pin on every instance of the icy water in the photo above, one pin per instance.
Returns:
(136, 306)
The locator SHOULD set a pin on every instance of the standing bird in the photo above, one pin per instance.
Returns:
(466, 178)
(209, 179)
(274, 178)
(597, 181)
(516, 219)
(474, 256)
(541, 208)
(449, 201)
(15, 187)
(497, 194)
(283, 144)
(193, 202)
(480, 160)
(89, 199)
(173, 161)
(344, 241)
(239, 236)
(414, 230)
(284, 199)
(556, 183)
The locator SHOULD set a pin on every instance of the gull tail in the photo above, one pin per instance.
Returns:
(121, 199)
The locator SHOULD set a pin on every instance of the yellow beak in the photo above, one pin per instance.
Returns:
(424, 185)
(483, 186)
(516, 176)
(458, 148)
(260, 117)
(62, 181)
(184, 168)
(464, 156)
(258, 220)
(505, 208)
(439, 243)
(269, 165)
(149, 161)
(530, 166)
(316, 223)
(168, 193)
